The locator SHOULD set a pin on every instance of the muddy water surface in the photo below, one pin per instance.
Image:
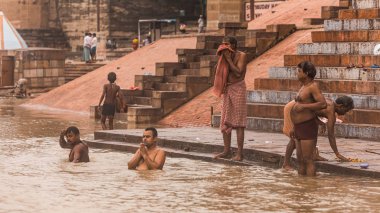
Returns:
(36, 177)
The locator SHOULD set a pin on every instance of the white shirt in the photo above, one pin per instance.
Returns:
(94, 42)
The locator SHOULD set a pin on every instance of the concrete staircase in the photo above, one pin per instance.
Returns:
(350, 39)
(51, 38)
(73, 71)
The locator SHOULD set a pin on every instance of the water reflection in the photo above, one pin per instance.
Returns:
(36, 177)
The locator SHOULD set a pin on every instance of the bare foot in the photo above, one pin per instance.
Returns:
(238, 157)
(287, 167)
(223, 155)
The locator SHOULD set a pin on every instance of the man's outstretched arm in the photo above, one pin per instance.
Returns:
(332, 140)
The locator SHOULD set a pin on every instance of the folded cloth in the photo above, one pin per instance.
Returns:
(234, 107)
(288, 123)
(221, 72)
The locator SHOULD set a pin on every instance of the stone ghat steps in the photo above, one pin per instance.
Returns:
(371, 102)
(188, 143)
(365, 4)
(369, 13)
(352, 24)
(350, 48)
(170, 152)
(269, 110)
(327, 86)
(73, 71)
(332, 73)
(333, 60)
(346, 36)
(342, 130)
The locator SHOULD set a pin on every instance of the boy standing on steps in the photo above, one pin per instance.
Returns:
(110, 93)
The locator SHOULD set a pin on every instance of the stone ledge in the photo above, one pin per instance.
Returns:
(331, 73)
(283, 97)
(356, 131)
(188, 143)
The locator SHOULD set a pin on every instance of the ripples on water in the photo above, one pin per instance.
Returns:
(36, 177)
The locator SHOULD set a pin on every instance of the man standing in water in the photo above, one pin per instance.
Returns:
(229, 81)
(309, 100)
(340, 106)
(149, 156)
(110, 92)
(79, 150)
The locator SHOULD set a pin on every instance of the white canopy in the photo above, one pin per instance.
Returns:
(9, 37)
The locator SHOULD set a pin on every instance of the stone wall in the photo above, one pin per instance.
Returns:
(80, 16)
(219, 11)
(124, 15)
(30, 14)
(43, 68)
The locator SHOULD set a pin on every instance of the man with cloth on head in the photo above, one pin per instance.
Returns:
(230, 84)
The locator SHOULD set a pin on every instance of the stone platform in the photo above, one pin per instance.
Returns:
(203, 143)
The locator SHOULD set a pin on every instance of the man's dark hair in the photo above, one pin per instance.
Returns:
(346, 101)
(72, 129)
(231, 40)
(308, 68)
(94, 34)
(154, 131)
(111, 77)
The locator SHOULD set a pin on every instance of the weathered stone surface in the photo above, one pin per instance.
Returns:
(282, 97)
(369, 132)
(352, 24)
(338, 73)
(352, 48)
(365, 4)
(328, 86)
(332, 60)
(371, 13)
(346, 36)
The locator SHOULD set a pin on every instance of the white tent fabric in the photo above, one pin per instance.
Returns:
(9, 37)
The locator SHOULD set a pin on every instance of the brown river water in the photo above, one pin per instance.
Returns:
(35, 176)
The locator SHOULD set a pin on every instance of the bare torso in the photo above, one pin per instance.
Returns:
(304, 96)
(111, 91)
(82, 149)
(233, 78)
(152, 155)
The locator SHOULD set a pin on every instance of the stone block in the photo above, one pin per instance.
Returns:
(328, 86)
(352, 24)
(282, 30)
(283, 97)
(345, 36)
(263, 44)
(343, 73)
(61, 80)
(313, 21)
(364, 4)
(40, 73)
(345, 3)
(147, 81)
(167, 68)
(353, 48)
(332, 60)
